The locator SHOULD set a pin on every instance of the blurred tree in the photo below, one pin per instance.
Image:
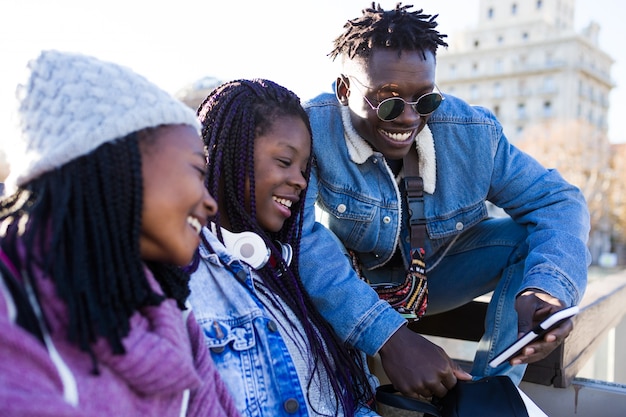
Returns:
(617, 198)
(582, 154)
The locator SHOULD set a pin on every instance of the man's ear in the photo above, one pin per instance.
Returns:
(343, 89)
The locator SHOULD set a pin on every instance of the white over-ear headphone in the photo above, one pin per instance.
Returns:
(251, 248)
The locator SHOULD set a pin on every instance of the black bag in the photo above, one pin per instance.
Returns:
(492, 396)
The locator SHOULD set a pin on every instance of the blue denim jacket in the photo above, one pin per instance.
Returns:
(475, 163)
(244, 340)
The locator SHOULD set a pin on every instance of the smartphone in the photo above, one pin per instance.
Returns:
(542, 328)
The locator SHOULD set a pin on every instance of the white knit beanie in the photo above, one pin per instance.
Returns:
(72, 103)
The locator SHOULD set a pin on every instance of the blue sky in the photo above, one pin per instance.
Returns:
(175, 43)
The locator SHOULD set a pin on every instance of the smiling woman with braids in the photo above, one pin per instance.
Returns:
(106, 206)
(275, 352)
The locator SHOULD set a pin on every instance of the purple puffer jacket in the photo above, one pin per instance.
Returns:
(164, 359)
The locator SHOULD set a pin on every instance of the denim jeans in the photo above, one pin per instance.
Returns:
(488, 257)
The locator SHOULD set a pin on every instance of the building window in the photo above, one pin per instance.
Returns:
(525, 36)
(522, 88)
(514, 9)
(476, 43)
(498, 66)
(474, 92)
(490, 13)
(539, 4)
(500, 39)
(602, 99)
(548, 85)
(474, 68)
(581, 88)
(497, 90)
(547, 109)
(521, 111)
(496, 111)
(452, 71)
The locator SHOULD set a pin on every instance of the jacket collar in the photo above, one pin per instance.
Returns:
(360, 150)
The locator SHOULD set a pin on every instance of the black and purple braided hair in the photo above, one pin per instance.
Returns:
(232, 117)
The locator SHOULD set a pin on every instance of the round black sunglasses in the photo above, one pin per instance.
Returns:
(391, 108)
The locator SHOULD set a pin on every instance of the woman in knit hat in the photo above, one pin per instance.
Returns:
(105, 200)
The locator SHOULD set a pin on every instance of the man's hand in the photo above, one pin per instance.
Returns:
(415, 366)
(532, 308)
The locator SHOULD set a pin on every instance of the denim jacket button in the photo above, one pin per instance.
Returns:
(386, 219)
(291, 405)
(459, 226)
(217, 349)
(241, 275)
(271, 325)
(341, 208)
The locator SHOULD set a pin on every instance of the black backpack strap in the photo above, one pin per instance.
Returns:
(414, 195)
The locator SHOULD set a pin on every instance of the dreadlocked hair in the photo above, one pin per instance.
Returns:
(232, 117)
(398, 29)
(79, 226)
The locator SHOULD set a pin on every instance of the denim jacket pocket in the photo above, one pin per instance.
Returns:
(219, 334)
(351, 219)
(346, 205)
(235, 351)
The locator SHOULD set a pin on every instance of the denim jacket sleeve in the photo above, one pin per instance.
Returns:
(553, 211)
(349, 304)
(556, 216)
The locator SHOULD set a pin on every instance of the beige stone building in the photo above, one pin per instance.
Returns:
(526, 63)
(548, 85)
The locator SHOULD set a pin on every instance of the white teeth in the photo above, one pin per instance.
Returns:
(195, 223)
(283, 201)
(399, 137)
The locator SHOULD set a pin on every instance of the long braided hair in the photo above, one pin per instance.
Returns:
(232, 116)
(79, 226)
(398, 29)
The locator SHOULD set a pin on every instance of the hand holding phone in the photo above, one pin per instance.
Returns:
(542, 328)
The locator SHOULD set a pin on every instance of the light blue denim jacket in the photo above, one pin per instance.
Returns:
(243, 338)
(474, 163)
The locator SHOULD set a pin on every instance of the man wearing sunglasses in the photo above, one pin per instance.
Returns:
(386, 106)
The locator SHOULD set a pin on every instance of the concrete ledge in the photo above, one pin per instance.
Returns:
(583, 397)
